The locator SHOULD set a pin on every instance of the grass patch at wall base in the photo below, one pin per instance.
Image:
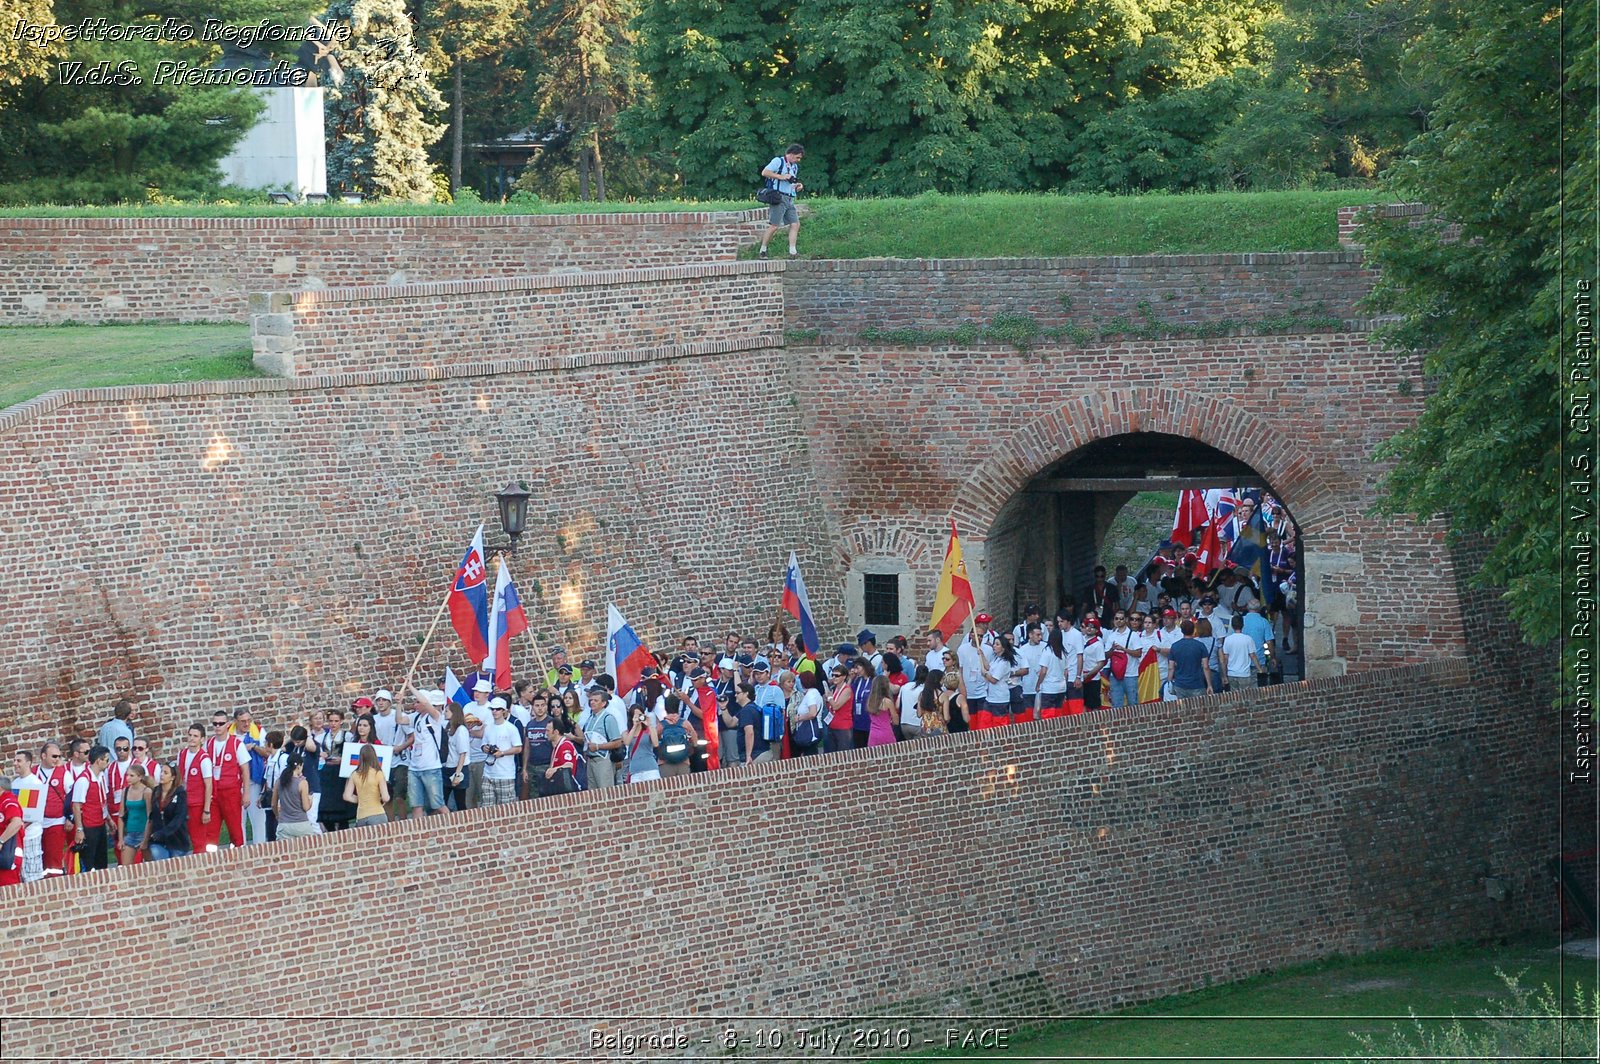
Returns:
(39, 359)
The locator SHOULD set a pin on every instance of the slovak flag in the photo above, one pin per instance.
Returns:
(469, 600)
(796, 603)
(508, 619)
(626, 655)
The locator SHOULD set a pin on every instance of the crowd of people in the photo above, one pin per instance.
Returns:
(83, 804)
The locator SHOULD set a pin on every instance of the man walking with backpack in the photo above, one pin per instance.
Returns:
(781, 174)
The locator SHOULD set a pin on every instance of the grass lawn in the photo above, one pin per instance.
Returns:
(1280, 1015)
(1006, 224)
(934, 225)
(35, 360)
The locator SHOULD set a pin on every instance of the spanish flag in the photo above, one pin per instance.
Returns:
(1150, 676)
(953, 602)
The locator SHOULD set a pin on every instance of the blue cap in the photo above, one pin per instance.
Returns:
(865, 636)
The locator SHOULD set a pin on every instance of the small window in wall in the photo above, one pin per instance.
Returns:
(882, 598)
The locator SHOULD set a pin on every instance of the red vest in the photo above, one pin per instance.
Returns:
(116, 784)
(195, 768)
(226, 757)
(94, 804)
(57, 793)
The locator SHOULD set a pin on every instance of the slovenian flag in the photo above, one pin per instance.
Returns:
(454, 690)
(469, 600)
(507, 620)
(626, 655)
(797, 604)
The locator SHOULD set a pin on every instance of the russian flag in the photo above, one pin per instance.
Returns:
(626, 655)
(469, 600)
(507, 620)
(354, 760)
(797, 604)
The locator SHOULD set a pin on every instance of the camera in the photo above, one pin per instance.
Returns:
(490, 750)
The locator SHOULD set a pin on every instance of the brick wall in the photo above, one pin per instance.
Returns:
(203, 269)
(903, 441)
(451, 323)
(1070, 865)
(1351, 218)
(285, 543)
(840, 298)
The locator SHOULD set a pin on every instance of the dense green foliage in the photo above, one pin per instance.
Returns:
(1485, 310)
(890, 98)
(92, 143)
(377, 115)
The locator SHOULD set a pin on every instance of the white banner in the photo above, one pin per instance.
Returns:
(352, 758)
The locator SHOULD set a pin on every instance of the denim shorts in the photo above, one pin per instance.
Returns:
(133, 842)
(425, 789)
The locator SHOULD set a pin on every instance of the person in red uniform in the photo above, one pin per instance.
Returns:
(77, 767)
(228, 770)
(57, 806)
(90, 809)
(11, 828)
(117, 776)
(145, 758)
(198, 779)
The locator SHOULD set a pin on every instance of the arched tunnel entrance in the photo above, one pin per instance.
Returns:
(1045, 542)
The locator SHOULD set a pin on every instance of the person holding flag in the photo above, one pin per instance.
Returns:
(953, 601)
(468, 600)
(796, 603)
(507, 620)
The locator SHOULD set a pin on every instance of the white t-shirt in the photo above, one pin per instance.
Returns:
(1166, 637)
(1028, 655)
(1125, 592)
(1234, 599)
(1072, 642)
(972, 662)
(429, 744)
(1238, 647)
(392, 733)
(909, 694)
(998, 675)
(811, 704)
(1094, 658)
(505, 737)
(1054, 680)
(935, 660)
(460, 742)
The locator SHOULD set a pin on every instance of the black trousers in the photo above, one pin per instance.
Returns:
(94, 853)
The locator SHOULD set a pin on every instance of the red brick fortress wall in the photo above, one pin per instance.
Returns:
(451, 323)
(204, 269)
(841, 298)
(1071, 865)
(904, 441)
(279, 543)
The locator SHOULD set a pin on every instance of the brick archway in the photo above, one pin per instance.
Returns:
(1313, 494)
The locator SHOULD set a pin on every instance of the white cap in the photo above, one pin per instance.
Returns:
(383, 692)
(482, 685)
(497, 703)
(437, 698)
(726, 663)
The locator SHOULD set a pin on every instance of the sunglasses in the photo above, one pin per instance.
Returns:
(219, 724)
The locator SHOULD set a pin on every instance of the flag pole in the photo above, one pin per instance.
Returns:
(437, 617)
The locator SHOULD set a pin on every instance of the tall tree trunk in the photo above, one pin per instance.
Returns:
(583, 173)
(456, 123)
(599, 169)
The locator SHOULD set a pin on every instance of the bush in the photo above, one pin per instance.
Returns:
(1528, 1025)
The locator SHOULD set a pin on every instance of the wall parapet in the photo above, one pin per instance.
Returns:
(443, 323)
(840, 300)
(1291, 823)
(203, 269)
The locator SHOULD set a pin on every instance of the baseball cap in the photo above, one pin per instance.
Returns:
(983, 618)
(726, 663)
(845, 649)
(763, 663)
(587, 663)
(564, 668)
(697, 674)
(497, 703)
(361, 703)
(383, 692)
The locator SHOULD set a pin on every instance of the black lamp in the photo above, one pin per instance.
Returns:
(513, 500)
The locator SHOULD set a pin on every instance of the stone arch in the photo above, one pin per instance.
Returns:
(1313, 493)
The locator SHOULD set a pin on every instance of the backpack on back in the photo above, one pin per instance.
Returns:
(674, 748)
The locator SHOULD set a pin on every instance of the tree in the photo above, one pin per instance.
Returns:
(894, 98)
(1485, 309)
(460, 32)
(591, 77)
(378, 135)
(83, 142)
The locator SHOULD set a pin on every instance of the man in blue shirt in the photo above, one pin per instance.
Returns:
(783, 173)
(1190, 661)
(1259, 629)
